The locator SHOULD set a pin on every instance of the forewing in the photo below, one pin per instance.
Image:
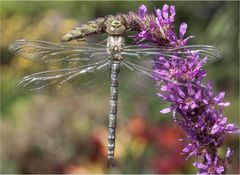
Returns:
(183, 52)
(58, 53)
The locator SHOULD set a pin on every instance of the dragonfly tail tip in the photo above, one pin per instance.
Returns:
(110, 163)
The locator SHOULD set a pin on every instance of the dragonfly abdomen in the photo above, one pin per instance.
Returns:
(115, 69)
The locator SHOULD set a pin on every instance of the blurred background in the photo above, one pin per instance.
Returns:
(56, 134)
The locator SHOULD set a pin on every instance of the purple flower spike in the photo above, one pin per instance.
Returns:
(159, 27)
(194, 105)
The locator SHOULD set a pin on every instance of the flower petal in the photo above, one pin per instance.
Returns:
(142, 11)
(231, 128)
(165, 110)
(220, 169)
(187, 148)
(173, 13)
(224, 104)
(219, 97)
(182, 30)
(229, 152)
(184, 42)
(209, 159)
(165, 11)
(215, 129)
(159, 15)
(200, 165)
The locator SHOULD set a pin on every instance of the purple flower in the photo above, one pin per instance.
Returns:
(159, 28)
(210, 166)
(180, 41)
(219, 99)
(180, 81)
(179, 69)
(163, 17)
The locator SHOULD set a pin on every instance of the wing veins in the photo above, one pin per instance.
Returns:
(41, 51)
(149, 72)
(43, 77)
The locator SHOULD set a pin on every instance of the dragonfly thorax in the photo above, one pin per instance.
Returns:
(115, 46)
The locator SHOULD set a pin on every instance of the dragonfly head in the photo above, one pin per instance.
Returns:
(115, 27)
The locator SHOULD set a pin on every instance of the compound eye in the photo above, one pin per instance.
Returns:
(116, 23)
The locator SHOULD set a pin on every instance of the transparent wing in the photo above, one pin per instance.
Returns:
(145, 70)
(58, 53)
(182, 52)
(138, 79)
(70, 80)
(141, 61)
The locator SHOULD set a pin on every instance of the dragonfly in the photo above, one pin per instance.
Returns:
(84, 61)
